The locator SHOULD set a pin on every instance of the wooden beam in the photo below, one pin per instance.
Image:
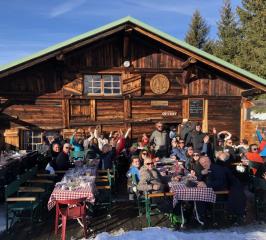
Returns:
(251, 92)
(200, 58)
(93, 109)
(188, 62)
(156, 70)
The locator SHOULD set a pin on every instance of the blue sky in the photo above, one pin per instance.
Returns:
(27, 26)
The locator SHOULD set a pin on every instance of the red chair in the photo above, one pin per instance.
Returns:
(70, 209)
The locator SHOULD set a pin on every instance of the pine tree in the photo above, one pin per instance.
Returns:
(252, 55)
(227, 45)
(197, 34)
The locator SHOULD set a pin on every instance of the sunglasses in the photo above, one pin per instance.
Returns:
(150, 163)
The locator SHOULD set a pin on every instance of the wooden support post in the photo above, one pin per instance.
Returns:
(205, 116)
(242, 119)
(65, 110)
(127, 108)
(93, 109)
(185, 113)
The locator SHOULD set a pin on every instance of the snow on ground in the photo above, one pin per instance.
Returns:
(251, 232)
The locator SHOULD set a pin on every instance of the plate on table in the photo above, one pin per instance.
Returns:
(166, 161)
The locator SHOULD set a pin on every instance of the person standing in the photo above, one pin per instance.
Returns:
(160, 139)
(196, 138)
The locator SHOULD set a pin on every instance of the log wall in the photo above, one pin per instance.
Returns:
(49, 95)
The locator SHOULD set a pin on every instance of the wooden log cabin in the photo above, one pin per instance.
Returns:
(123, 74)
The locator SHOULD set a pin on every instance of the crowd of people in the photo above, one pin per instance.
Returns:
(208, 157)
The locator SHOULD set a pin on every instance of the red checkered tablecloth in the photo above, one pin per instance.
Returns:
(60, 194)
(191, 193)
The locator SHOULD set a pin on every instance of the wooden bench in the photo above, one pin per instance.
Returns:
(149, 196)
(148, 204)
(104, 192)
(20, 199)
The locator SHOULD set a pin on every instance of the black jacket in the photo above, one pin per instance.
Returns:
(62, 161)
(261, 170)
(196, 139)
(106, 159)
(220, 178)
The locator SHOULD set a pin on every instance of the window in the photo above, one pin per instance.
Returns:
(32, 139)
(102, 84)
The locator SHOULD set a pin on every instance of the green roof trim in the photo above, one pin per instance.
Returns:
(145, 26)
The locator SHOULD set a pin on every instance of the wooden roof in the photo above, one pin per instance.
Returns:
(145, 29)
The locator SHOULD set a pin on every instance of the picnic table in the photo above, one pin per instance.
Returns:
(61, 194)
(195, 194)
(86, 189)
(183, 193)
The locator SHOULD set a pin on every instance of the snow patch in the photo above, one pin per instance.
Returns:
(251, 232)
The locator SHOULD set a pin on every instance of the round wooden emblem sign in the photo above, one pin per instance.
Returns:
(159, 84)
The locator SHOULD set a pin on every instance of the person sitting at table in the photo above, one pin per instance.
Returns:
(178, 150)
(55, 151)
(222, 159)
(150, 178)
(228, 147)
(151, 181)
(143, 141)
(51, 165)
(120, 139)
(132, 150)
(134, 168)
(88, 138)
(194, 166)
(77, 143)
(253, 156)
(108, 154)
(220, 178)
(142, 155)
(62, 160)
(189, 156)
(133, 176)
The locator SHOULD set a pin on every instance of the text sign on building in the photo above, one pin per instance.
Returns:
(196, 108)
(159, 103)
(169, 114)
